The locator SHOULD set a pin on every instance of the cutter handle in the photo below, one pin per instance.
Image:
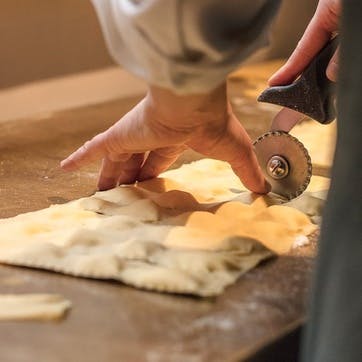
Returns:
(312, 94)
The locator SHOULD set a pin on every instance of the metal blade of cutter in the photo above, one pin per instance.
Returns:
(285, 163)
(284, 160)
(286, 119)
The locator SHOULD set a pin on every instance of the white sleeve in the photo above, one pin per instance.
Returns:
(188, 46)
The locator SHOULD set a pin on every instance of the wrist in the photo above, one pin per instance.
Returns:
(191, 110)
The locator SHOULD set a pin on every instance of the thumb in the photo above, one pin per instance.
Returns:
(332, 69)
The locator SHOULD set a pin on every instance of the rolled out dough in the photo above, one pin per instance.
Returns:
(14, 307)
(319, 140)
(194, 230)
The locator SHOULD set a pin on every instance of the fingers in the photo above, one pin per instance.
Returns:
(109, 143)
(109, 174)
(319, 31)
(246, 165)
(91, 151)
(159, 160)
(114, 173)
(332, 69)
(235, 147)
(130, 169)
(313, 40)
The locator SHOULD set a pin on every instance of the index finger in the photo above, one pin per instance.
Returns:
(91, 151)
(312, 41)
(235, 147)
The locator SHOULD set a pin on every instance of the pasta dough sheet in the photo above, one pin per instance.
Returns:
(14, 307)
(194, 230)
(319, 140)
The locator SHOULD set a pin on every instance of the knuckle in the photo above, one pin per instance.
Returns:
(170, 152)
(151, 170)
(86, 147)
(112, 145)
(242, 159)
(328, 17)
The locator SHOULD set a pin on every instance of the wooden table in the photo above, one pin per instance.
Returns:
(113, 322)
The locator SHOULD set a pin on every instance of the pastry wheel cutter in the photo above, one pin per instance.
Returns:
(284, 160)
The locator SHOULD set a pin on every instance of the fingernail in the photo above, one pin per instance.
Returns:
(65, 165)
(332, 71)
(270, 80)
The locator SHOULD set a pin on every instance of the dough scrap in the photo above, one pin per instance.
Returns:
(42, 307)
(194, 230)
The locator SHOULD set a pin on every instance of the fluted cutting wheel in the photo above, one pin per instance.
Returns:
(285, 163)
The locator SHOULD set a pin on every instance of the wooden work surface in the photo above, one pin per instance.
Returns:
(113, 322)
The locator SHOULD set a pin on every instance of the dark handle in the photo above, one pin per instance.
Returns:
(312, 94)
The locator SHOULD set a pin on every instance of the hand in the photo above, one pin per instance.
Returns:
(148, 139)
(319, 31)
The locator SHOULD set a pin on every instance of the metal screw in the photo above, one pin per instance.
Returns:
(277, 167)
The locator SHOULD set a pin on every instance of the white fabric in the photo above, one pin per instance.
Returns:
(185, 45)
